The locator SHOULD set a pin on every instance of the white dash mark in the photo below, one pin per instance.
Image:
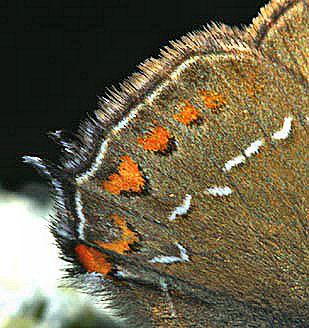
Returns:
(80, 214)
(122, 274)
(285, 131)
(234, 162)
(183, 253)
(104, 148)
(157, 91)
(253, 148)
(181, 210)
(125, 121)
(185, 65)
(171, 259)
(219, 191)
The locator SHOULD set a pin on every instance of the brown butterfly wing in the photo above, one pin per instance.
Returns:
(280, 32)
(189, 193)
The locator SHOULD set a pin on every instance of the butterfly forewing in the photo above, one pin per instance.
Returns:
(188, 198)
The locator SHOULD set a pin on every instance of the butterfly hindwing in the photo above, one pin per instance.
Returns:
(185, 203)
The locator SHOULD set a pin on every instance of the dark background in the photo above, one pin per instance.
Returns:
(56, 59)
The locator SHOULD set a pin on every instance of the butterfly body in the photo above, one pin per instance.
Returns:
(187, 197)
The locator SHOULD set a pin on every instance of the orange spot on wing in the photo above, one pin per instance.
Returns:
(157, 140)
(129, 178)
(94, 261)
(128, 238)
(213, 100)
(188, 114)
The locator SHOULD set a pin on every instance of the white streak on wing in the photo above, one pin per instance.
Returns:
(234, 162)
(249, 151)
(219, 191)
(171, 259)
(253, 148)
(181, 210)
(80, 214)
(97, 163)
(183, 253)
(122, 274)
(125, 121)
(156, 92)
(165, 259)
(104, 147)
(60, 201)
(185, 65)
(285, 131)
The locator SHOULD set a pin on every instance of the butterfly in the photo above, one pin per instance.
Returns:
(184, 201)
